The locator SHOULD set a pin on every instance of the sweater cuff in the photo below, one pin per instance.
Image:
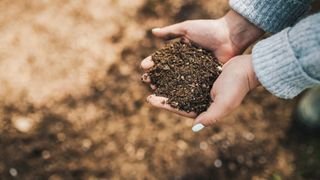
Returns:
(277, 68)
(272, 15)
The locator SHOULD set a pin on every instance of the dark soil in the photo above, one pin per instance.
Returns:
(185, 74)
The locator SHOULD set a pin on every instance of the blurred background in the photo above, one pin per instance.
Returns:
(72, 105)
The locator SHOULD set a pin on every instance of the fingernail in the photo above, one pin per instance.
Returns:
(197, 127)
(156, 29)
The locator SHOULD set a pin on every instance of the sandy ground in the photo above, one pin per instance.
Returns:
(73, 107)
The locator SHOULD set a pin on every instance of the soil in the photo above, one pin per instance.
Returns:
(72, 105)
(184, 73)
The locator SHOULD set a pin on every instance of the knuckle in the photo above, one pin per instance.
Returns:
(184, 26)
(211, 122)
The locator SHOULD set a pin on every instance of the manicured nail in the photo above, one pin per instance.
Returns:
(156, 29)
(197, 127)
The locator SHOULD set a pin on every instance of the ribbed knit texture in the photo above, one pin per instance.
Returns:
(289, 62)
(271, 15)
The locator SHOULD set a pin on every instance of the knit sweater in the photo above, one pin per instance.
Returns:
(289, 61)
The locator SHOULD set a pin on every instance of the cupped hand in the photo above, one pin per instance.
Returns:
(228, 91)
(225, 37)
(209, 34)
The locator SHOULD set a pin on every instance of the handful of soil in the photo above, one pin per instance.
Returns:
(184, 73)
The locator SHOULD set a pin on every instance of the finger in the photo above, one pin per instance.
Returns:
(215, 112)
(147, 63)
(160, 102)
(145, 78)
(185, 40)
(170, 32)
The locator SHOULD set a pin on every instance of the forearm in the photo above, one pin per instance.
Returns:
(288, 62)
(271, 15)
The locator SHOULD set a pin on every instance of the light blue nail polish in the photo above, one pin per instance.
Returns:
(197, 127)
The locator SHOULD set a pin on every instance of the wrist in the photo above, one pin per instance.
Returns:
(242, 33)
(252, 77)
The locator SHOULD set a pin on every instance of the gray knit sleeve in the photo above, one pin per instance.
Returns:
(289, 62)
(271, 15)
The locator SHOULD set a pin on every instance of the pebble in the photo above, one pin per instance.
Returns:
(232, 166)
(249, 136)
(46, 154)
(240, 159)
(217, 163)
(129, 148)
(182, 145)
(86, 143)
(13, 172)
(262, 160)
(61, 137)
(23, 124)
(55, 177)
(140, 154)
(203, 145)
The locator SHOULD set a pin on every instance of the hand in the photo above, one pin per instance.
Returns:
(228, 91)
(225, 37)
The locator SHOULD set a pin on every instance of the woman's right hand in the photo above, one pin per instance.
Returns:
(225, 37)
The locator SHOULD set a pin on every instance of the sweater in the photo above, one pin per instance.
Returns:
(289, 61)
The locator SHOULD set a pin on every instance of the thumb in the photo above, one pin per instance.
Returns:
(215, 112)
(170, 32)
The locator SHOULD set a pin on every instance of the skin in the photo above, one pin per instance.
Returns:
(226, 37)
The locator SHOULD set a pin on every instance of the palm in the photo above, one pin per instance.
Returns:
(225, 38)
(236, 80)
(210, 34)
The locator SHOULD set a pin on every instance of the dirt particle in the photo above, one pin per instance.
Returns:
(204, 145)
(45, 154)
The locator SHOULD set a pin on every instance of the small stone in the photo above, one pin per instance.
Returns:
(203, 145)
(262, 160)
(55, 177)
(129, 149)
(23, 124)
(249, 136)
(140, 154)
(182, 145)
(61, 137)
(86, 144)
(46, 154)
(13, 172)
(217, 163)
(232, 166)
(240, 159)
